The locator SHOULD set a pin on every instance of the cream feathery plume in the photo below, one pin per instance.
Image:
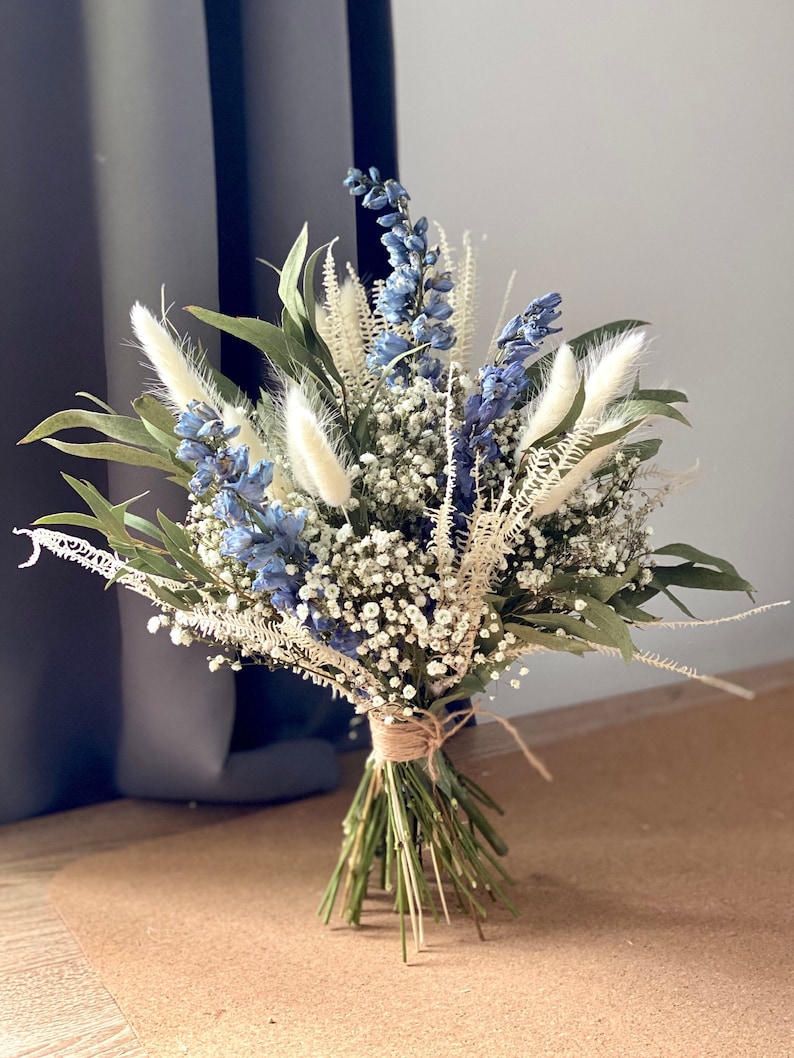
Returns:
(463, 299)
(315, 465)
(554, 401)
(182, 380)
(572, 480)
(609, 371)
(345, 322)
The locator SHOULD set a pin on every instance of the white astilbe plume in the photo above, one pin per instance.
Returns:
(345, 323)
(553, 402)
(609, 371)
(284, 639)
(493, 349)
(463, 299)
(572, 480)
(587, 466)
(183, 378)
(316, 466)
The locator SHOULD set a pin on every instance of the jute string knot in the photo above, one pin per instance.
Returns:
(423, 734)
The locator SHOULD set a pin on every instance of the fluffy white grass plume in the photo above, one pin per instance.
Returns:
(182, 380)
(345, 321)
(554, 401)
(609, 372)
(314, 461)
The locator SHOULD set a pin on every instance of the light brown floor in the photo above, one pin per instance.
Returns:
(51, 1002)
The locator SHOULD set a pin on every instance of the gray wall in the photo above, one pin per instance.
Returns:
(636, 156)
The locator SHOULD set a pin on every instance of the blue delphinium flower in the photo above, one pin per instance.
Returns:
(412, 299)
(521, 337)
(499, 387)
(261, 534)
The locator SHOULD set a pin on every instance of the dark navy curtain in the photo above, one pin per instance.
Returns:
(148, 144)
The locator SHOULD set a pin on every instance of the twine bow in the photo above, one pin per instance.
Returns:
(424, 734)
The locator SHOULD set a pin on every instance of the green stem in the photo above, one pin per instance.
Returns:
(400, 815)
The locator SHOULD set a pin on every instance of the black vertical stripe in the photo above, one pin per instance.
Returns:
(235, 258)
(374, 115)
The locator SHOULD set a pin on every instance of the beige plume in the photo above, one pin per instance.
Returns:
(610, 371)
(554, 401)
(179, 369)
(315, 465)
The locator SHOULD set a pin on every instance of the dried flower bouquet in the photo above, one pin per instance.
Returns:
(399, 526)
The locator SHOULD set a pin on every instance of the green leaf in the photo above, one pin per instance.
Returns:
(115, 453)
(567, 420)
(597, 623)
(309, 298)
(694, 554)
(471, 685)
(151, 410)
(607, 621)
(168, 597)
(282, 350)
(644, 409)
(582, 345)
(688, 575)
(547, 640)
(181, 549)
(574, 626)
(601, 588)
(659, 586)
(121, 427)
(112, 524)
(288, 289)
(95, 400)
(667, 396)
(643, 450)
(142, 525)
(629, 611)
(84, 521)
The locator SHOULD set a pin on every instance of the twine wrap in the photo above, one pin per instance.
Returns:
(423, 734)
(409, 739)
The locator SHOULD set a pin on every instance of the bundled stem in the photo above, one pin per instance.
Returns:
(427, 833)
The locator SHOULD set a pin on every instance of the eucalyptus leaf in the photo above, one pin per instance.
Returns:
(155, 413)
(121, 427)
(667, 396)
(143, 525)
(114, 453)
(601, 588)
(309, 297)
(694, 554)
(688, 575)
(547, 640)
(285, 352)
(288, 286)
(607, 621)
(112, 524)
(95, 400)
(84, 521)
(629, 611)
(645, 408)
(168, 597)
(582, 345)
(471, 684)
(642, 450)
(567, 420)
(574, 626)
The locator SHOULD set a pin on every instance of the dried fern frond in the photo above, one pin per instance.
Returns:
(346, 324)
(463, 298)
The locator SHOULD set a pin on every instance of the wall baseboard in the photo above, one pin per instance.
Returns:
(552, 725)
